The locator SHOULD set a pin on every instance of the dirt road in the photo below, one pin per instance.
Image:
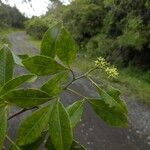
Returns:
(93, 132)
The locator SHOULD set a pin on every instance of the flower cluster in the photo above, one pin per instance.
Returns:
(101, 63)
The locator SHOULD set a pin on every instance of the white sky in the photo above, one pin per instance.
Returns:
(39, 7)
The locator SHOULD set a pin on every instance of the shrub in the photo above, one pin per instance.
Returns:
(99, 45)
(36, 27)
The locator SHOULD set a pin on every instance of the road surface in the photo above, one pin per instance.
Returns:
(92, 132)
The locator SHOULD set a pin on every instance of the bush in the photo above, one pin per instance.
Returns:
(99, 45)
(36, 27)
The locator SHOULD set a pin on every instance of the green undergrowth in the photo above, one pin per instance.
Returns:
(4, 35)
(130, 81)
(34, 41)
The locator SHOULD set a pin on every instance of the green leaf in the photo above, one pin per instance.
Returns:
(109, 114)
(3, 124)
(34, 146)
(76, 146)
(53, 86)
(108, 108)
(49, 145)
(75, 111)
(6, 65)
(14, 83)
(109, 99)
(66, 48)
(26, 98)
(32, 127)
(49, 40)
(42, 65)
(115, 93)
(60, 128)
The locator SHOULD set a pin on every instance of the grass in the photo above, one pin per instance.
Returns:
(34, 41)
(4, 35)
(130, 81)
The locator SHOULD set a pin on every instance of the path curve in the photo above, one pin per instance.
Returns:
(92, 131)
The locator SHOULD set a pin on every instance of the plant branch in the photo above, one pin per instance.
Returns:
(73, 75)
(12, 142)
(79, 77)
(20, 112)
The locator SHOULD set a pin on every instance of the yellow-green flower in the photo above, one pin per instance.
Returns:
(112, 72)
(101, 63)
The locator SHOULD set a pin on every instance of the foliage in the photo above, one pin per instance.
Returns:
(118, 30)
(99, 45)
(36, 26)
(52, 121)
(11, 17)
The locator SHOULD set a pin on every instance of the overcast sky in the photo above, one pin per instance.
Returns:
(38, 8)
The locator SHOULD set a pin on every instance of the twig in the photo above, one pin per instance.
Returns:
(73, 75)
(13, 143)
(79, 77)
(20, 112)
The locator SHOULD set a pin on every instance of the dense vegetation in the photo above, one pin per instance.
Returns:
(10, 17)
(117, 30)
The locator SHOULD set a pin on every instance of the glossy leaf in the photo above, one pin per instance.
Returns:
(6, 65)
(14, 83)
(60, 128)
(26, 98)
(109, 114)
(33, 146)
(42, 65)
(53, 86)
(75, 145)
(49, 41)
(109, 99)
(115, 93)
(66, 48)
(32, 127)
(75, 111)
(108, 108)
(3, 124)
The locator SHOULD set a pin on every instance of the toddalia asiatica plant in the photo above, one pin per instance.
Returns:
(50, 120)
